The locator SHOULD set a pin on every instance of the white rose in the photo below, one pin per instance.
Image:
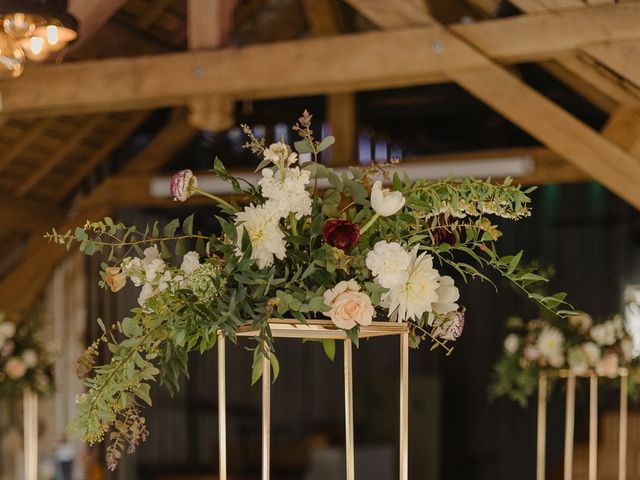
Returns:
(385, 202)
(155, 267)
(7, 330)
(190, 263)
(349, 306)
(389, 263)
(512, 343)
(608, 366)
(15, 368)
(30, 358)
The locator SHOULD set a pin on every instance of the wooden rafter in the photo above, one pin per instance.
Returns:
(396, 14)
(24, 141)
(22, 286)
(621, 57)
(23, 215)
(401, 57)
(59, 155)
(92, 15)
(544, 120)
(157, 9)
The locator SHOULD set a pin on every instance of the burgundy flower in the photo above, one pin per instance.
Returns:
(451, 327)
(445, 230)
(181, 184)
(341, 234)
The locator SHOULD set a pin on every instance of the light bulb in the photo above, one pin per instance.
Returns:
(11, 57)
(35, 48)
(20, 25)
(56, 35)
(52, 35)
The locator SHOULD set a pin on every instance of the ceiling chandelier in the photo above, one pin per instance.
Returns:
(33, 30)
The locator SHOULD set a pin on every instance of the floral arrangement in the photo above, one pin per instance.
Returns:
(578, 345)
(304, 243)
(25, 362)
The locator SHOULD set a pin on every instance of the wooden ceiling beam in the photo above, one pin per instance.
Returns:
(209, 24)
(396, 14)
(622, 57)
(24, 141)
(403, 57)
(92, 15)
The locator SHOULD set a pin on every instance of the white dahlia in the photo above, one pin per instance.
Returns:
(414, 297)
(267, 240)
(550, 345)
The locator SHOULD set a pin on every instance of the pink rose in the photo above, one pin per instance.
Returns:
(15, 368)
(531, 353)
(349, 306)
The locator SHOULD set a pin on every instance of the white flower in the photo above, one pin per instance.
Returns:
(608, 366)
(414, 297)
(280, 154)
(286, 191)
(448, 294)
(604, 333)
(267, 240)
(550, 344)
(15, 368)
(556, 361)
(512, 343)
(7, 329)
(582, 322)
(145, 294)
(349, 306)
(389, 263)
(154, 268)
(592, 353)
(164, 282)
(385, 202)
(150, 254)
(190, 262)
(578, 361)
(30, 357)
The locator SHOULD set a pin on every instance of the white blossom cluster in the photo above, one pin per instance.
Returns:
(284, 187)
(154, 275)
(15, 360)
(603, 347)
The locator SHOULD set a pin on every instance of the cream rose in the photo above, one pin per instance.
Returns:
(15, 368)
(608, 366)
(349, 306)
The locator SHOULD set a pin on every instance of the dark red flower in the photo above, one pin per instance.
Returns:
(341, 234)
(445, 230)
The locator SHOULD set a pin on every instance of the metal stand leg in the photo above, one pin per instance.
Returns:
(222, 407)
(266, 415)
(404, 406)
(622, 452)
(30, 414)
(348, 410)
(569, 425)
(593, 427)
(542, 427)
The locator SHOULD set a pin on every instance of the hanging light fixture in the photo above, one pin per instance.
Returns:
(33, 29)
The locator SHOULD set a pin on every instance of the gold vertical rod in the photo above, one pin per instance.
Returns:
(593, 427)
(569, 426)
(542, 427)
(266, 415)
(222, 407)
(404, 406)
(30, 414)
(622, 452)
(348, 410)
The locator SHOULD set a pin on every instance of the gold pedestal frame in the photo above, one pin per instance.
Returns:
(319, 330)
(570, 397)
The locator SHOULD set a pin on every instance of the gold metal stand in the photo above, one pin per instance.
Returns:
(319, 329)
(30, 414)
(570, 421)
